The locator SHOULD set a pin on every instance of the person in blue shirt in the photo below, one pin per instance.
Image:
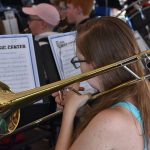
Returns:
(119, 120)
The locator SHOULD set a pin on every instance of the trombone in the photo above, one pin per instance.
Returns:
(10, 103)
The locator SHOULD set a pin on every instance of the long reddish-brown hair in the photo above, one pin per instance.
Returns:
(106, 40)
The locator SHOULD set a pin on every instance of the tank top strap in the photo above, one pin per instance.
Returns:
(131, 108)
(135, 112)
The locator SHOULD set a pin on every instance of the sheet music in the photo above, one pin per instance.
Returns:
(67, 67)
(64, 49)
(17, 62)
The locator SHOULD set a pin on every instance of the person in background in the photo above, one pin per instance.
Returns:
(78, 11)
(63, 25)
(117, 116)
(42, 20)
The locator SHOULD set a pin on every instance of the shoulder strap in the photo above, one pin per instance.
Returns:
(135, 112)
(131, 108)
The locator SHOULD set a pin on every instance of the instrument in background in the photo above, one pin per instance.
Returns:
(137, 15)
(10, 103)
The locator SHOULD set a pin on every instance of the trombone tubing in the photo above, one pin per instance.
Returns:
(58, 85)
(35, 94)
(58, 113)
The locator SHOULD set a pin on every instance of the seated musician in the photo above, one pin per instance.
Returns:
(120, 120)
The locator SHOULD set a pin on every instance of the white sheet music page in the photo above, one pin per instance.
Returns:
(68, 51)
(17, 62)
(64, 49)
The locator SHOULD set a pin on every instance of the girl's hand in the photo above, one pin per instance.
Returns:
(73, 100)
(59, 99)
(70, 98)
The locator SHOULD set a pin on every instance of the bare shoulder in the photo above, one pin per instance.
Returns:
(104, 130)
(110, 120)
(112, 116)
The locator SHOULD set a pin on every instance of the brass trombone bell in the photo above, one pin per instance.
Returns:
(10, 102)
(10, 122)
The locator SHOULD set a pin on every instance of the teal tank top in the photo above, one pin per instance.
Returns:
(135, 112)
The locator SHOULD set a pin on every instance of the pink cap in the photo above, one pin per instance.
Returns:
(46, 12)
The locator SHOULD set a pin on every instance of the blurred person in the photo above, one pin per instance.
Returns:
(78, 11)
(42, 20)
(116, 116)
(63, 25)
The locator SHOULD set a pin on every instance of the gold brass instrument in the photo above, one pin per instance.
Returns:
(10, 103)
